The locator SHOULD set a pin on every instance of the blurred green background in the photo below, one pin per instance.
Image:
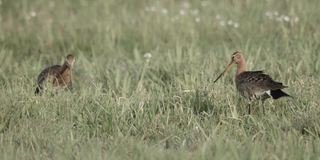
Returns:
(143, 79)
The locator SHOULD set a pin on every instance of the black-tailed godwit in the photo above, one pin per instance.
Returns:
(254, 85)
(57, 75)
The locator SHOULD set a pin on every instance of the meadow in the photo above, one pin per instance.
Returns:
(143, 79)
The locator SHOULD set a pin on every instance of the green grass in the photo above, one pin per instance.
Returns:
(125, 107)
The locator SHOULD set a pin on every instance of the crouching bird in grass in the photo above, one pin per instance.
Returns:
(57, 76)
(254, 85)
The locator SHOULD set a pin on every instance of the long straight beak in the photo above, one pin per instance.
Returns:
(225, 70)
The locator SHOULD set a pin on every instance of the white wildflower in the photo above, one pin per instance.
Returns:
(147, 56)
(197, 19)
(286, 18)
(152, 9)
(230, 22)
(164, 11)
(195, 12)
(182, 12)
(236, 25)
(274, 15)
(33, 14)
(222, 23)
(269, 14)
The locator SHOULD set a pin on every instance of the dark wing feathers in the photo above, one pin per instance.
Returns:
(259, 80)
(256, 72)
(52, 70)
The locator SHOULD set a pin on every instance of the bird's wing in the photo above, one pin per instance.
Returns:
(52, 70)
(258, 81)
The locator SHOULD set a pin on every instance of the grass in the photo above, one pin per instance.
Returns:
(125, 107)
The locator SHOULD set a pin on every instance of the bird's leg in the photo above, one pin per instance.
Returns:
(249, 107)
(38, 90)
(69, 87)
(251, 100)
(263, 107)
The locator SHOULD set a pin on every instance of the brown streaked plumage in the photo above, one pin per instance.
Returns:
(254, 85)
(60, 76)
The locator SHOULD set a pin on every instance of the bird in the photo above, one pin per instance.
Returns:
(253, 85)
(59, 76)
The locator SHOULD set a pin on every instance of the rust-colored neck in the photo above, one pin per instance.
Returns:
(65, 68)
(241, 67)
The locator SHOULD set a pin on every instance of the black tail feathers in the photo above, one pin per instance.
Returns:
(278, 94)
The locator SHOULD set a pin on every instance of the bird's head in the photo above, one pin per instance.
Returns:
(237, 57)
(70, 59)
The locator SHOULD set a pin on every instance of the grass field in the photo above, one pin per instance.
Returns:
(126, 106)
